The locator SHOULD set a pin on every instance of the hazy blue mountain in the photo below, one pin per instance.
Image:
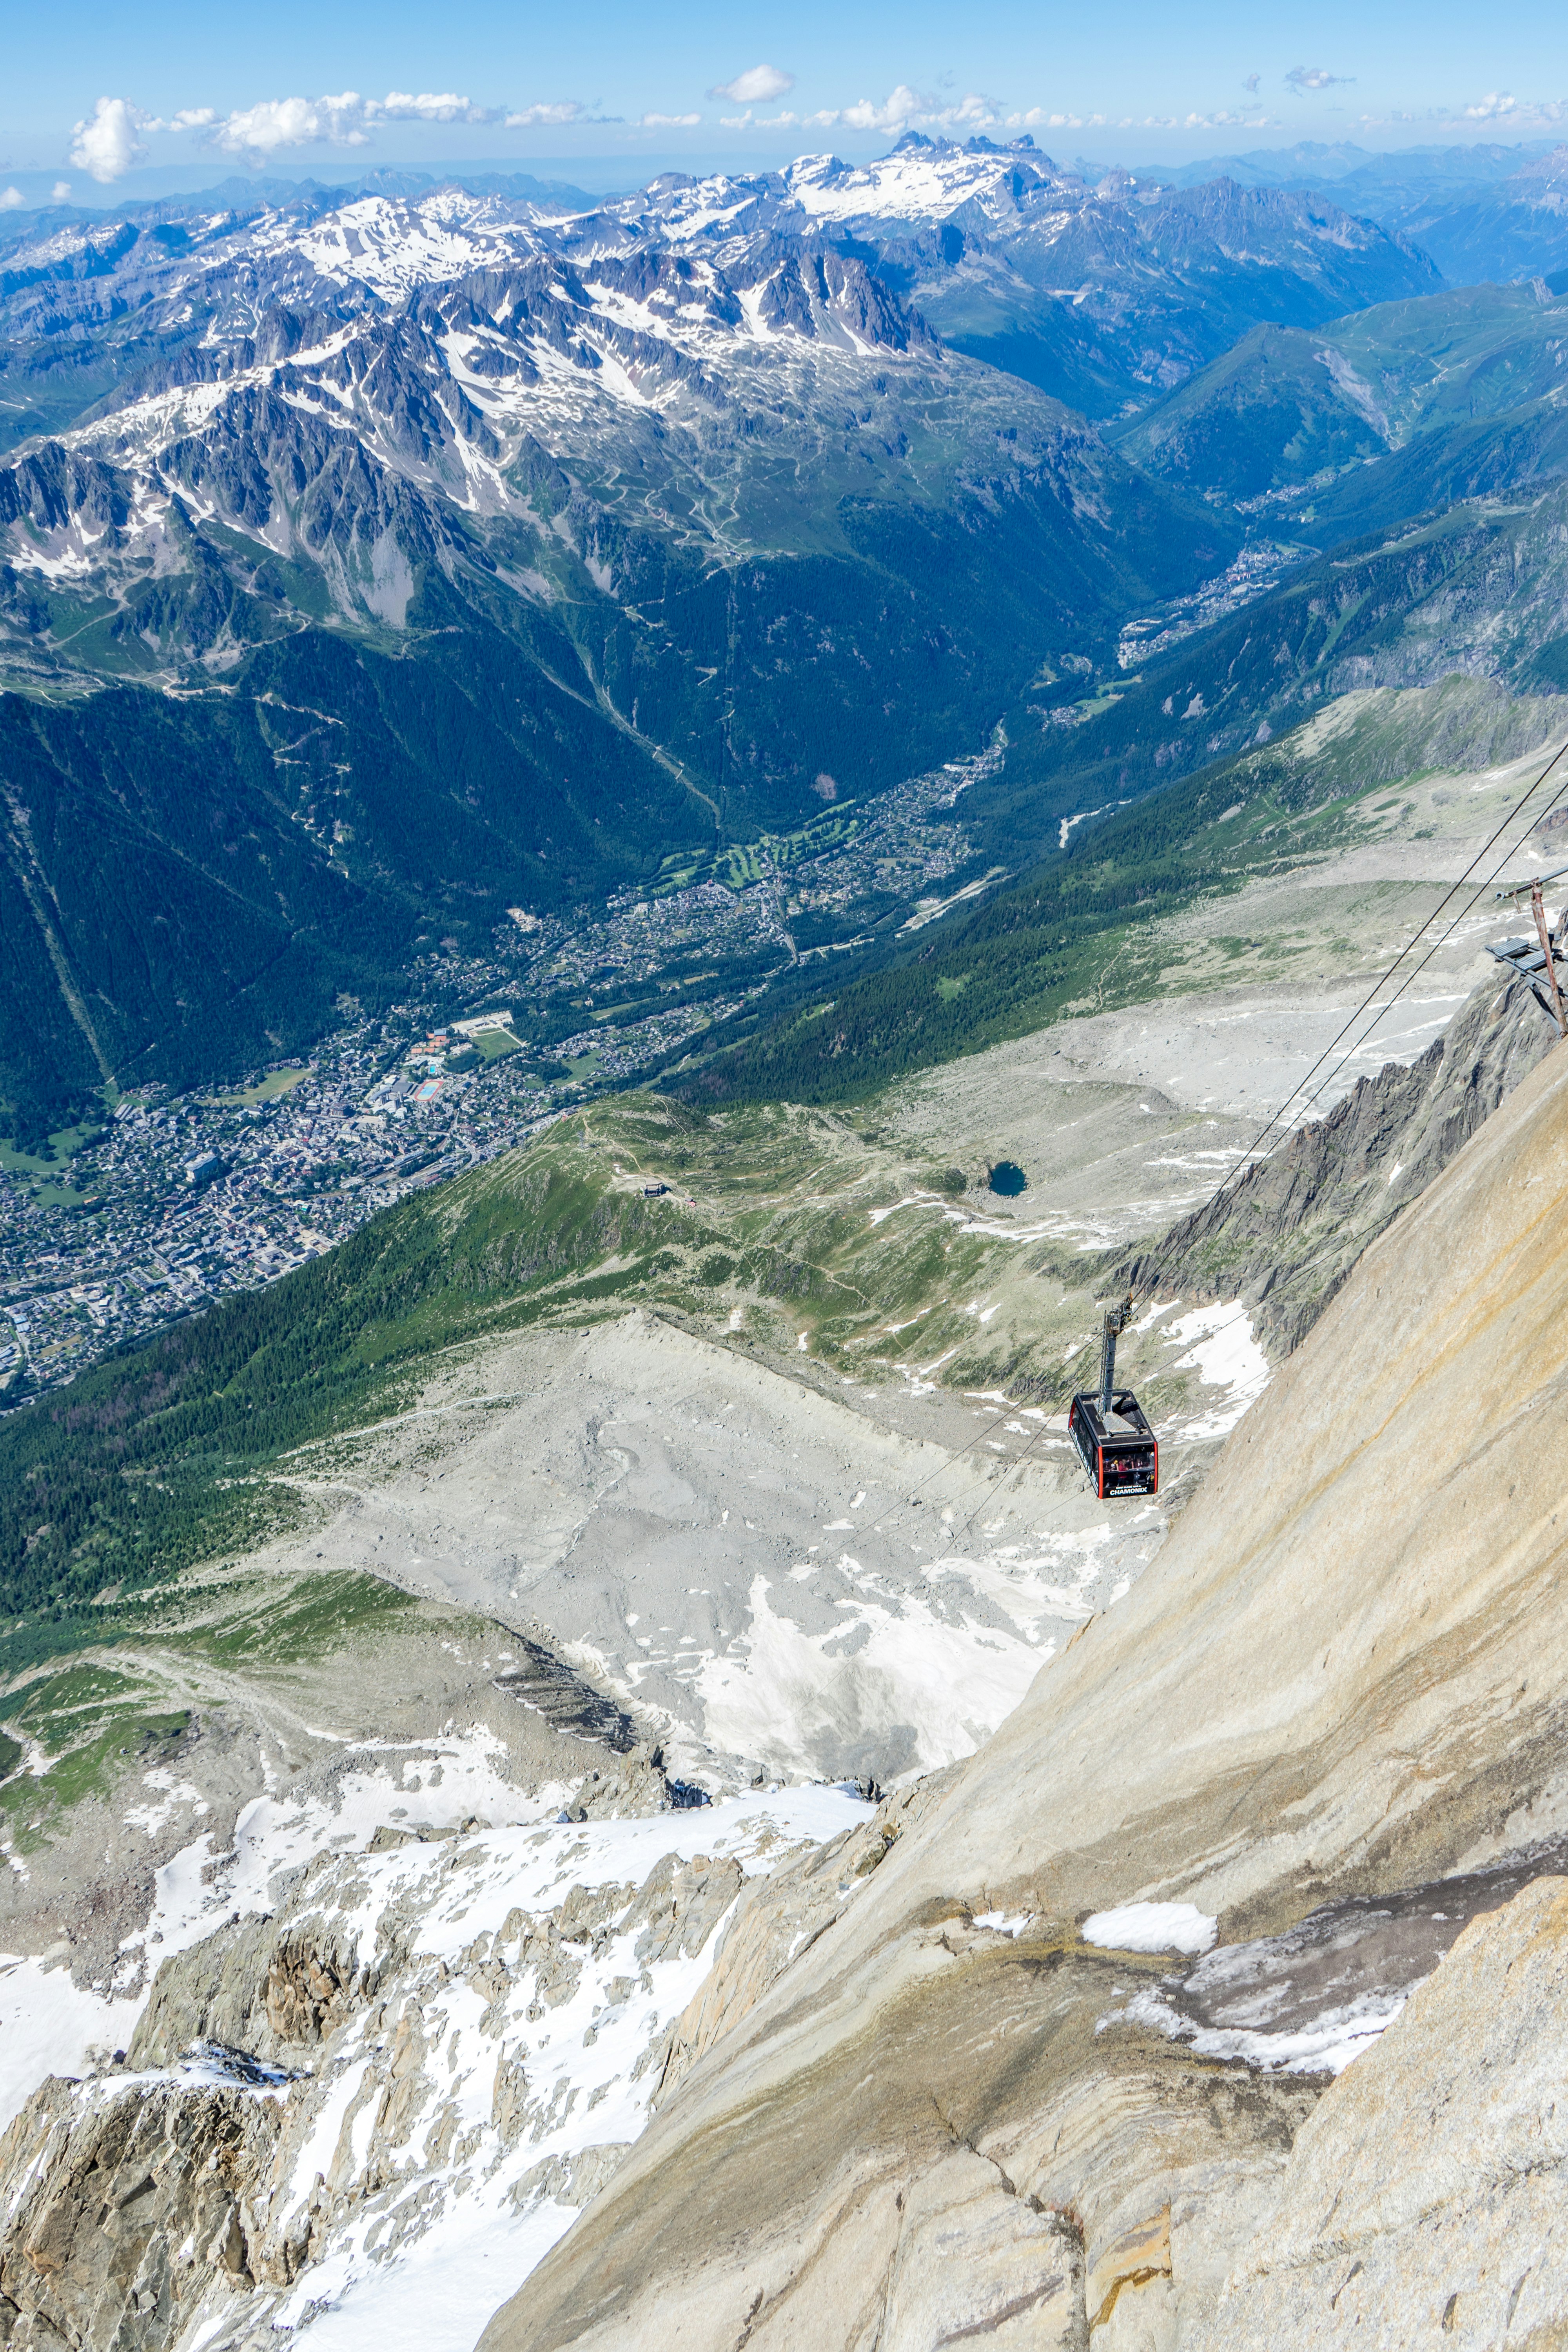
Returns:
(1361, 179)
(1516, 229)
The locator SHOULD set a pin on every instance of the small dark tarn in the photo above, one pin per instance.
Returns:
(1008, 1178)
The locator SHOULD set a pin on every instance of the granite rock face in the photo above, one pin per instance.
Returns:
(1429, 2187)
(133, 2214)
(778, 1918)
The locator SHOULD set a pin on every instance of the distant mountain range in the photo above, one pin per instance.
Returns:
(1344, 166)
(371, 566)
(489, 554)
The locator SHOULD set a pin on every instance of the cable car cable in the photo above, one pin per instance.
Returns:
(1245, 1163)
(1425, 959)
(1465, 910)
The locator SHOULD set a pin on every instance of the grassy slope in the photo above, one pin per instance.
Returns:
(1269, 412)
(276, 1647)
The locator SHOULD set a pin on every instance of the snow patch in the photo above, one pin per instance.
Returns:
(1002, 1922)
(49, 2026)
(1220, 1347)
(1326, 2045)
(1150, 1927)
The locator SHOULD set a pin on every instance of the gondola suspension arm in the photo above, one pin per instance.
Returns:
(1115, 1321)
(1513, 949)
(1538, 909)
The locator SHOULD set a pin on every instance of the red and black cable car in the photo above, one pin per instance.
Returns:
(1117, 1446)
(1111, 1429)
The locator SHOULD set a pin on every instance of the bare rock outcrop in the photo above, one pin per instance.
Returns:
(136, 2214)
(278, 1995)
(779, 1917)
(1428, 2189)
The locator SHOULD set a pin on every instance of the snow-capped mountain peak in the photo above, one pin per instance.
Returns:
(394, 246)
(923, 179)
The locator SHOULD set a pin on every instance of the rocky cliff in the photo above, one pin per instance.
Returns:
(1070, 2065)
(1287, 1233)
(414, 2054)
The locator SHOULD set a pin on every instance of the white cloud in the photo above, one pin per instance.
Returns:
(530, 118)
(1303, 78)
(275, 122)
(896, 113)
(1501, 106)
(750, 121)
(10, 200)
(904, 108)
(400, 105)
(756, 86)
(1037, 118)
(106, 143)
(60, 191)
(1251, 83)
(668, 121)
(345, 121)
(1496, 106)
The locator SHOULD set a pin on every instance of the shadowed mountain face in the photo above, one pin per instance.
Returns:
(1322, 1732)
(1434, 427)
(1111, 300)
(1476, 589)
(1400, 410)
(1286, 1235)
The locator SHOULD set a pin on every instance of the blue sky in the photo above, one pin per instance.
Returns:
(107, 96)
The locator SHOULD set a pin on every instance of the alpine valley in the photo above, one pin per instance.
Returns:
(651, 846)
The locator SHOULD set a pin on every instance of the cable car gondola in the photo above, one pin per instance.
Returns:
(1111, 1429)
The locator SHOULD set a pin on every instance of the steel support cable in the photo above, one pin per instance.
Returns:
(970, 1442)
(1245, 1160)
(1436, 945)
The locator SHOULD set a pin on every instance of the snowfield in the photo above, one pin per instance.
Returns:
(508, 1948)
